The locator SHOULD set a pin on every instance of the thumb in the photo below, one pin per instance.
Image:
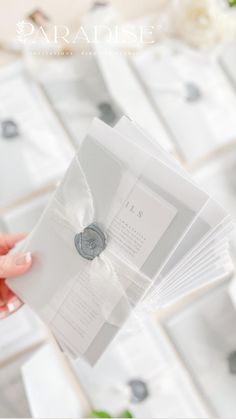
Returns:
(14, 265)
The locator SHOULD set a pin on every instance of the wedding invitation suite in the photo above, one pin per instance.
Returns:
(127, 226)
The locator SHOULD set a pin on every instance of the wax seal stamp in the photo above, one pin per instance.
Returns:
(90, 242)
(9, 128)
(139, 390)
(193, 93)
(107, 113)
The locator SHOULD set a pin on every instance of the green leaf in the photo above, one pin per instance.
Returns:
(99, 414)
(103, 414)
(232, 3)
(126, 414)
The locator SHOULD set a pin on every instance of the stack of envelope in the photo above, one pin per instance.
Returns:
(127, 227)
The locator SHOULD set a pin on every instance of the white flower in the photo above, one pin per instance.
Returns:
(203, 23)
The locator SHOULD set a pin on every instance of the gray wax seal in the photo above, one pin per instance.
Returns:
(90, 242)
(139, 390)
(107, 114)
(9, 128)
(232, 362)
(193, 93)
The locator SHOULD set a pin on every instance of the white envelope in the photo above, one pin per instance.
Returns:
(173, 74)
(227, 60)
(129, 94)
(78, 93)
(203, 335)
(41, 152)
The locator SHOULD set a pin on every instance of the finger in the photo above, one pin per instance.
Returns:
(4, 291)
(7, 242)
(14, 304)
(14, 265)
(9, 302)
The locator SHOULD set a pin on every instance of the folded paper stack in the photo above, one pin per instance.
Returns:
(127, 226)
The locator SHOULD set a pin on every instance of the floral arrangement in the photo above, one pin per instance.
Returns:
(203, 23)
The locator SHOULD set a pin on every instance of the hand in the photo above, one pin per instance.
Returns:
(11, 266)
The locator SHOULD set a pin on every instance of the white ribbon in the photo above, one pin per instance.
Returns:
(72, 209)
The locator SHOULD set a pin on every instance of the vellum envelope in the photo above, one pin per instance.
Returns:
(136, 208)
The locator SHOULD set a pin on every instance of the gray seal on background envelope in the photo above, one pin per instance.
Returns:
(91, 242)
(193, 93)
(9, 129)
(139, 390)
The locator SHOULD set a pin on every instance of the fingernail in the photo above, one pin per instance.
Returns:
(13, 305)
(24, 259)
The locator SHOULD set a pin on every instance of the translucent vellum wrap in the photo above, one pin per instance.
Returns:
(93, 298)
(107, 275)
